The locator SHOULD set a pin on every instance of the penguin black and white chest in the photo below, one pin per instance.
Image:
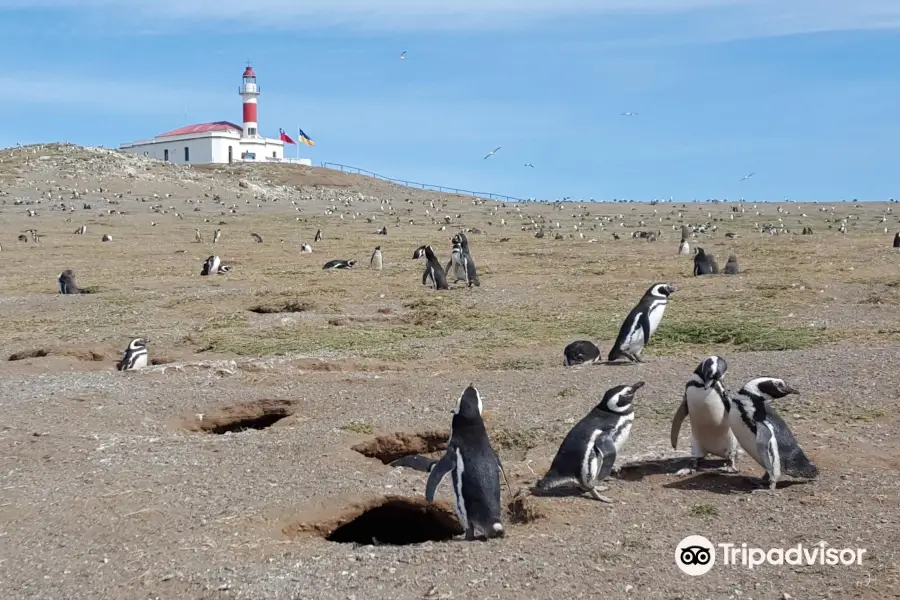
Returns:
(339, 264)
(211, 266)
(704, 264)
(641, 323)
(764, 435)
(135, 356)
(376, 262)
(434, 272)
(475, 470)
(706, 405)
(456, 268)
(469, 271)
(580, 352)
(66, 282)
(588, 452)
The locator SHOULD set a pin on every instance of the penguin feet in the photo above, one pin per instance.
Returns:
(685, 472)
(729, 468)
(596, 495)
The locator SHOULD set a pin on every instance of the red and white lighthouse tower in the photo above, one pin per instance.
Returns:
(249, 91)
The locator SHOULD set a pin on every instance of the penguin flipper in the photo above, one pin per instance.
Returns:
(606, 451)
(680, 414)
(767, 447)
(644, 322)
(438, 471)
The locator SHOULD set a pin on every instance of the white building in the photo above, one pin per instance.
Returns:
(220, 141)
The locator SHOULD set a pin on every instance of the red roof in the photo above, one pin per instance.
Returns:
(248, 72)
(203, 128)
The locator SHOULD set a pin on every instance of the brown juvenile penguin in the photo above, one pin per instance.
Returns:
(731, 267)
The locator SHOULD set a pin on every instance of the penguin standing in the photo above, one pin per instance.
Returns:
(641, 323)
(579, 352)
(587, 454)
(457, 267)
(376, 262)
(318, 237)
(135, 356)
(764, 435)
(897, 240)
(684, 247)
(704, 264)
(433, 269)
(731, 267)
(66, 282)
(468, 262)
(707, 406)
(217, 235)
(475, 470)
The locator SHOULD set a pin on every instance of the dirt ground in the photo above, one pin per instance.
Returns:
(250, 461)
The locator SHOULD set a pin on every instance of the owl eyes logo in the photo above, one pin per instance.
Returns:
(695, 555)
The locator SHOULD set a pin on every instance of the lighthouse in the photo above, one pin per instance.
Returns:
(249, 92)
(219, 142)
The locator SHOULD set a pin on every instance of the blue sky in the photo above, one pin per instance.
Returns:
(803, 93)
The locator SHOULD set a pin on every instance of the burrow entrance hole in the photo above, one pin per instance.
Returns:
(390, 520)
(393, 446)
(240, 417)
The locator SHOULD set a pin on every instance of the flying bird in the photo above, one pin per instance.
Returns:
(747, 176)
(629, 114)
(403, 55)
(492, 152)
(529, 165)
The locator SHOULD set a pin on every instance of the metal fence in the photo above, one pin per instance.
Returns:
(414, 184)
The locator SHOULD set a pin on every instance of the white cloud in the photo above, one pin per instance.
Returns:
(708, 19)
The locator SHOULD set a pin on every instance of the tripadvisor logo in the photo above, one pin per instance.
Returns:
(696, 555)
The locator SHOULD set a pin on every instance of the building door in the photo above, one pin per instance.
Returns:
(230, 159)
(166, 155)
(187, 154)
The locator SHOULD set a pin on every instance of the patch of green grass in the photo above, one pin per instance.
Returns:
(703, 510)
(358, 427)
(564, 393)
(747, 335)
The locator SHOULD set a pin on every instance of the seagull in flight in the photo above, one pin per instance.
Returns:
(529, 165)
(745, 177)
(403, 55)
(492, 152)
(629, 114)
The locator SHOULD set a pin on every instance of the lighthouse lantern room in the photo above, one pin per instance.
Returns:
(219, 141)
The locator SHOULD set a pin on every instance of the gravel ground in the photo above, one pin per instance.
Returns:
(114, 486)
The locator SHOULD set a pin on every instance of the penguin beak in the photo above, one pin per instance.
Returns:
(789, 390)
(636, 386)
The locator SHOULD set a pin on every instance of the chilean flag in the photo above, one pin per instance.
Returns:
(285, 137)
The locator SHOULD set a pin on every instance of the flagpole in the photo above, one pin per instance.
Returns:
(298, 142)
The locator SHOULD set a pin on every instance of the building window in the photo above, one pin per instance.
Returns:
(251, 131)
(230, 155)
(274, 155)
(166, 155)
(187, 154)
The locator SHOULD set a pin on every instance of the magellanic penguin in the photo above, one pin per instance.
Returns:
(764, 435)
(135, 356)
(433, 269)
(66, 282)
(641, 323)
(580, 352)
(704, 264)
(684, 248)
(475, 470)
(376, 262)
(588, 453)
(213, 266)
(462, 261)
(339, 264)
(318, 237)
(732, 267)
(706, 405)
(897, 240)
